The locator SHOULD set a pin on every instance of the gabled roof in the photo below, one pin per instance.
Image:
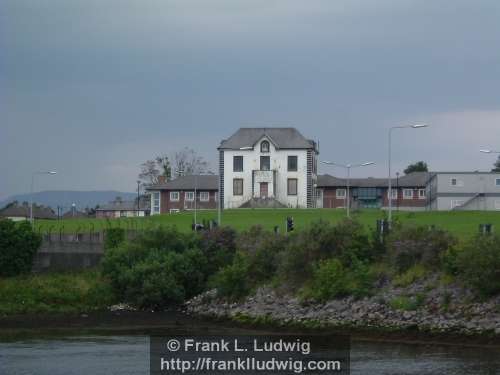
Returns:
(24, 211)
(124, 206)
(415, 179)
(202, 182)
(284, 138)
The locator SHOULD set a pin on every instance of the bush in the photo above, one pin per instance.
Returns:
(331, 279)
(232, 281)
(407, 303)
(158, 269)
(411, 275)
(113, 237)
(218, 245)
(409, 246)
(18, 246)
(477, 263)
(346, 241)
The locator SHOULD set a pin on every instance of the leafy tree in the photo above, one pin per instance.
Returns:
(419, 166)
(497, 165)
(18, 246)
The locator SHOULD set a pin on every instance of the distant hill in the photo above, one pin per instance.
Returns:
(66, 198)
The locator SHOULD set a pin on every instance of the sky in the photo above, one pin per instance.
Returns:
(93, 88)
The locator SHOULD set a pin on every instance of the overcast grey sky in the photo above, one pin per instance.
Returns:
(93, 88)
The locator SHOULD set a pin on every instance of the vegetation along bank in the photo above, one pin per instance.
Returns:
(328, 274)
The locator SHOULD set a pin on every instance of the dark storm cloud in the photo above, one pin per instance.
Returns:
(92, 88)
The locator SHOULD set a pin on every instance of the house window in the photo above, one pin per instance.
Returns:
(456, 203)
(238, 186)
(292, 186)
(264, 146)
(265, 163)
(204, 196)
(497, 205)
(174, 196)
(497, 181)
(189, 196)
(456, 182)
(156, 202)
(407, 194)
(238, 163)
(340, 193)
(123, 213)
(292, 164)
(422, 193)
(394, 193)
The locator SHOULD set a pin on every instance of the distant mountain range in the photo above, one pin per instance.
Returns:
(65, 198)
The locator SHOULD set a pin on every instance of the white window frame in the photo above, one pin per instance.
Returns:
(174, 210)
(156, 202)
(204, 196)
(407, 196)
(394, 193)
(189, 196)
(458, 183)
(340, 196)
(456, 203)
(422, 193)
(174, 196)
(497, 182)
(497, 204)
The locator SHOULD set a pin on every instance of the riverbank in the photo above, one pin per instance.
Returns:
(423, 308)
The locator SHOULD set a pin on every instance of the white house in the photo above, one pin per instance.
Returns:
(267, 167)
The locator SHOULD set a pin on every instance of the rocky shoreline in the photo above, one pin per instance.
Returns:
(425, 306)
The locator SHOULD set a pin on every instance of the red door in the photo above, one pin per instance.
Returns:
(263, 189)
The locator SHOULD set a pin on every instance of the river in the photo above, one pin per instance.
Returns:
(125, 353)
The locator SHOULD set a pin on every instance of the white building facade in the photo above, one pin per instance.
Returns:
(267, 167)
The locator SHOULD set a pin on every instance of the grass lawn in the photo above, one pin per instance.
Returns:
(462, 223)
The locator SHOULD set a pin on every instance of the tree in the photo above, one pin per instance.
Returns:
(163, 163)
(419, 166)
(497, 165)
(149, 172)
(187, 162)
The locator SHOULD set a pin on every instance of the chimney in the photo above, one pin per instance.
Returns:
(162, 179)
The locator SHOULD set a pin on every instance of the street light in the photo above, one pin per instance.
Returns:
(348, 168)
(32, 189)
(415, 126)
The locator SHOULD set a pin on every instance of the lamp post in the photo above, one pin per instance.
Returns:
(33, 188)
(348, 168)
(138, 196)
(415, 126)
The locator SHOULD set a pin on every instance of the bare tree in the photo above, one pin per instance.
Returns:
(149, 172)
(187, 162)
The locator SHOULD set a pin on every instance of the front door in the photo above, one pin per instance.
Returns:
(263, 189)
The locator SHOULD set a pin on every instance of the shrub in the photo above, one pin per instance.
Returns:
(218, 245)
(411, 275)
(18, 246)
(478, 264)
(331, 279)
(157, 269)
(113, 237)
(232, 280)
(407, 303)
(346, 241)
(408, 246)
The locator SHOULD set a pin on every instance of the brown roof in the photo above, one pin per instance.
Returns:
(415, 179)
(24, 211)
(202, 182)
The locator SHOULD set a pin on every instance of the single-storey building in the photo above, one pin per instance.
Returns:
(184, 193)
(119, 208)
(409, 192)
(18, 212)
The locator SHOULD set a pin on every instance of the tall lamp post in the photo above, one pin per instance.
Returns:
(138, 196)
(415, 126)
(32, 190)
(348, 168)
